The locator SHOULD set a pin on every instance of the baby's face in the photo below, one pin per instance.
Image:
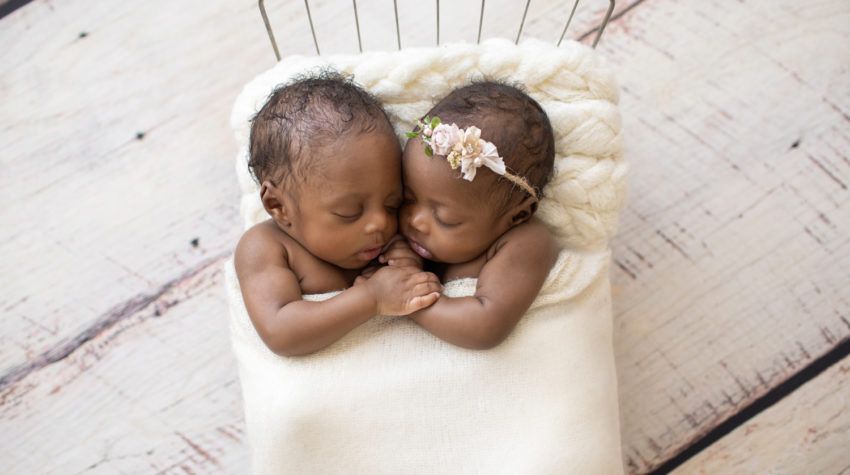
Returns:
(444, 217)
(346, 210)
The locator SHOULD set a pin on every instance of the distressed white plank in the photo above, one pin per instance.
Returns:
(806, 432)
(150, 394)
(94, 217)
(732, 256)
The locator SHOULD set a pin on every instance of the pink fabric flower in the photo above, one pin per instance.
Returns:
(444, 137)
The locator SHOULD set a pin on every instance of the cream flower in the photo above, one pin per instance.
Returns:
(444, 137)
(489, 157)
(471, 141)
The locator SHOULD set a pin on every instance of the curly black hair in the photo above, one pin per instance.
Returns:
(513, 121)
(305, 114)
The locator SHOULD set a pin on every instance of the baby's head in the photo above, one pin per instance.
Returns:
(328, 163)
(303, 116)
(450, 219)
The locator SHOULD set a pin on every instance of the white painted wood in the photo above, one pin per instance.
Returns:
(732, 256)
(149, 395)
(92, 217)
(806, 432)
(730, 264)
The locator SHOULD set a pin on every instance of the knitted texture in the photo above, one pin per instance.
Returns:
(571, 83)
(391, 398)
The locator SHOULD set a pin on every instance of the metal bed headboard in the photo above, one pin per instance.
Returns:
(601, 27)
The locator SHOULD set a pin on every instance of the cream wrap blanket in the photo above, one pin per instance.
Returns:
(390, 397)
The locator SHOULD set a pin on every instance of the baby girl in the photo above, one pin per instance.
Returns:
(473, 173)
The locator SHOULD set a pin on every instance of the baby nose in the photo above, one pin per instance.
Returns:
(378, 222)
(414, 217)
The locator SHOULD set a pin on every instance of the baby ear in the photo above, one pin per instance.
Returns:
(523, 211)
(274, 203)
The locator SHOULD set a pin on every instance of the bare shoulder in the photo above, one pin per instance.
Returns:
(533, 229)
(516, 269)
(260, 246)
(531, 239)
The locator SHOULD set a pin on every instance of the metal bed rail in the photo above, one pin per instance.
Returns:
(601, 27)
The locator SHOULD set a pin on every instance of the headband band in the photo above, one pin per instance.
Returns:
(466, 149)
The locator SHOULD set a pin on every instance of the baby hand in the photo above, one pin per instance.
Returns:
(367, 272)
(398, 253)
(403, 290)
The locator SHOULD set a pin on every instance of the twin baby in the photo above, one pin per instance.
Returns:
(350, 210)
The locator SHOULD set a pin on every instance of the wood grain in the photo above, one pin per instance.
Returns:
(154, 393)
(732, 255)
(114, 162)
(807, 432)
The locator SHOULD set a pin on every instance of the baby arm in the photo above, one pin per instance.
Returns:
(291, 326)
(507, 285)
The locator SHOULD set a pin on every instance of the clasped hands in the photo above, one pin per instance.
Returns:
(400, 286)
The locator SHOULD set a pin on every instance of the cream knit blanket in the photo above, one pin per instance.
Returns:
(391, 398)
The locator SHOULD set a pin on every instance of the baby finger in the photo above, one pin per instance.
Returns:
(423, 288)
(404, 262)
(420, 302)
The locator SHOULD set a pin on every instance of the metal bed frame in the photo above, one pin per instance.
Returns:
(600, 28)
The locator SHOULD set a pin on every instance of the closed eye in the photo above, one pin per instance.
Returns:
(442, 223)
(348, 217)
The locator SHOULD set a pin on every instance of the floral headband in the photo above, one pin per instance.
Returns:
(464, 148)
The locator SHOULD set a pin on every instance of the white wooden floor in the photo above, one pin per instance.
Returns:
(118, 204)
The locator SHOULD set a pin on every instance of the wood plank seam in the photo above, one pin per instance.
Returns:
(106, 321)
(9, 6)
(758, 405)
